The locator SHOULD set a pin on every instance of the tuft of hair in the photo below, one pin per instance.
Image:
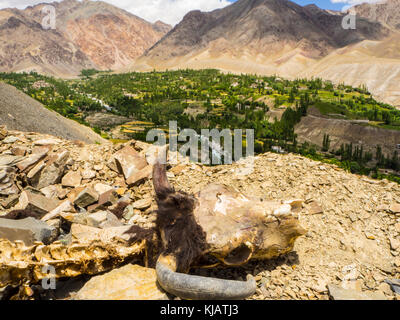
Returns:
(182, 236)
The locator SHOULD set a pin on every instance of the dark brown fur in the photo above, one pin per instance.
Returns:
(184, 238)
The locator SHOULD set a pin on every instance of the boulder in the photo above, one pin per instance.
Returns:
(9, 189)
(394, 243)
(106, 200)
(129, 161)
(99, 219)
(88, 174)
(10, 201)
(47, 142)
(10, 140)
(51, 191)
(315, 208)
(338, 293)
(49, 171)
(36, 203)
(65, 206)
(85, 234)
(140, 176)
(27, 230)
(130, 212)
(142, 204)
(31, 160)
(395, 208)
(72, 179)
(103, 220)
(7, 182)
(131, 282)
(72, 195)
(96, 219)
(87, 197)
(9, 160)
(19, 151)
(102, 188)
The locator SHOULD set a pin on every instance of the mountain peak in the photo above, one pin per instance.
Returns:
(88, 34)
(262, 26)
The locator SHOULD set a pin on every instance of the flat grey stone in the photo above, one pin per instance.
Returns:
(27, 230)
(394, 284)
(338, 293)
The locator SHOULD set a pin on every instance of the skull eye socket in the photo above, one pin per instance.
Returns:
(239, 256)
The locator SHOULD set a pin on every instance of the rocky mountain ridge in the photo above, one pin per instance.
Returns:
(280, 37)
(385, 12)
(88, 34)
(258, 25)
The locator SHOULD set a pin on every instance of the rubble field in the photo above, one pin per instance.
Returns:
(74, 208)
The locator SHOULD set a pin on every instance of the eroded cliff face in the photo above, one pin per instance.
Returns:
(111, 42)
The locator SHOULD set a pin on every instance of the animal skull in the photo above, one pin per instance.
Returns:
(221, 222)
(218, 221)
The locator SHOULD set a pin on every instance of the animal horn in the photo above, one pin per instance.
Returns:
(160, 180)
(191, 287)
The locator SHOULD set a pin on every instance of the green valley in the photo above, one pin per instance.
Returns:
(131, 104)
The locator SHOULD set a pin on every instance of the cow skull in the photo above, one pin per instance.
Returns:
(221, 222)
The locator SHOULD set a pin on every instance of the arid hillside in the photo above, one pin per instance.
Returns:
(20, 112)
(87, 34)
(312, 129)
(385, 12)
(263, 27)
(280, 37)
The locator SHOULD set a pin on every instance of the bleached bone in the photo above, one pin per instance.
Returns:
(21, 265)
(221, 222)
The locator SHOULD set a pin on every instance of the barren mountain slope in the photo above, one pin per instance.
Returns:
(312, 129)
(386, 12)
(353, 223)
(20, 112)
(26, 46)
(375, 64)
(101, 35)
(261, 27)
(279, 37)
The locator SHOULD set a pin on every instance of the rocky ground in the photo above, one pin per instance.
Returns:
(56, 193)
